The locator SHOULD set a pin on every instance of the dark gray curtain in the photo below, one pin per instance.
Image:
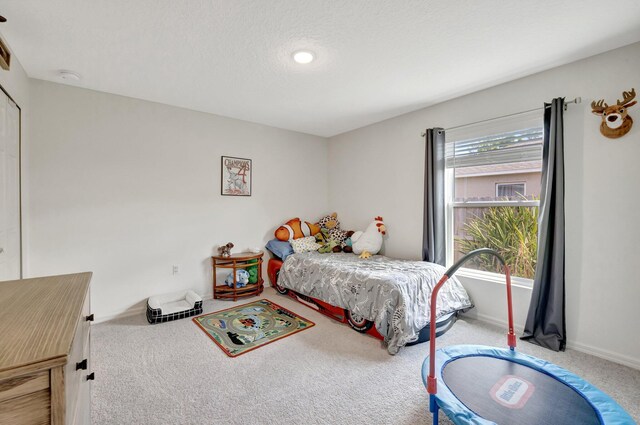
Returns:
(545, 325)
(433, 234)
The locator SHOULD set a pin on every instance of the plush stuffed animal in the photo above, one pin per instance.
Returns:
(348, 243)
(322, 237)
(328, 247)
(369, 242)
(242, 278)
(329, 222)
(295, 229)
(253, 271)
(330, 228)
(225, 250)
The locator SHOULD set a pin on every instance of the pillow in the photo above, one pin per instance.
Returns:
(305, 244)
(294, 229)
(281, 249)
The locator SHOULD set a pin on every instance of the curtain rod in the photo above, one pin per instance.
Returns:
(576, 101)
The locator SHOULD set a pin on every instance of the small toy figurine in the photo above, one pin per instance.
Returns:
(225, 250)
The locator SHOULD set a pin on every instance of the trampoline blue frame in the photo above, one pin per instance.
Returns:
(608, 411)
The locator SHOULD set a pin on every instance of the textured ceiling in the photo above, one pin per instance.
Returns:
(375, 59)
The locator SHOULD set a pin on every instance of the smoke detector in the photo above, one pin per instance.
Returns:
(69, 75)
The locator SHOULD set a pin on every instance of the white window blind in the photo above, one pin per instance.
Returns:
(501, 141)
(504, 148)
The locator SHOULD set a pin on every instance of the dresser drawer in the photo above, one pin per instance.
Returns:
(29, 409)
(22, 385)
(25, 399)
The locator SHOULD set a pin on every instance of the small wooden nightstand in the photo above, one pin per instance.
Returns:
(235, 262)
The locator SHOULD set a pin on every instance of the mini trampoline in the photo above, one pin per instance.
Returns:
(483, 385)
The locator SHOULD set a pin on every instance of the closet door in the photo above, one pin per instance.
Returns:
(10, 238)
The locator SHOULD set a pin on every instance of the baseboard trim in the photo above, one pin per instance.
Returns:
(133, 311)
(605, 354)
(518, 328)
(120, 315)
(574, 345)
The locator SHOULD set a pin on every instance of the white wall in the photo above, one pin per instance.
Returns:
(16, 83)
(379, 169)
(127, 188)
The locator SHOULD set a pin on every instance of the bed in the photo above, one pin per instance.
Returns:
(387, 298)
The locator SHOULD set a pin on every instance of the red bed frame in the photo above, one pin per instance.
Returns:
(336, 313)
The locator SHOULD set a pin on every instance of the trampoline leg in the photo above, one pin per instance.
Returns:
(433, 408)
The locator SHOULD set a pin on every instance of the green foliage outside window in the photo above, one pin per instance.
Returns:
(511, 231)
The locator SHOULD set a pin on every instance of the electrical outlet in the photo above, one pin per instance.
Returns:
(175, 270)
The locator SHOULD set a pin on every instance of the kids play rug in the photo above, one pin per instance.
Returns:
(245, 327)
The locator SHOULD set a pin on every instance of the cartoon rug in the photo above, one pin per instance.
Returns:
(245, 327)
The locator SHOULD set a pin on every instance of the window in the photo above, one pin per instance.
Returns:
(493, 176)
(510, 190)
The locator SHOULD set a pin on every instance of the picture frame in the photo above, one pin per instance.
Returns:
(236, 175)
(5, 56)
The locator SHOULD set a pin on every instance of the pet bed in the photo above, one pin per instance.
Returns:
(178, 305)
(383, 297)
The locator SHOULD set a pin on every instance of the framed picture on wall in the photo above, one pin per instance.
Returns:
(236, 176)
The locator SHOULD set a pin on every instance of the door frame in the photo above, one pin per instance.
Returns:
(19, 175)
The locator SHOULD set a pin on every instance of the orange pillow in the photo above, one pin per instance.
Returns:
(295, 229)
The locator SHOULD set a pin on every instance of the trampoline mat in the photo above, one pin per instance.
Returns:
(512, 394)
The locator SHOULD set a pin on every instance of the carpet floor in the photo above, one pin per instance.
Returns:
(172, 373)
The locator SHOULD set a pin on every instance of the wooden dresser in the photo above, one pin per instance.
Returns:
(45, 364)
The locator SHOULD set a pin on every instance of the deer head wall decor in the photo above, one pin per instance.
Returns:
(616, 121)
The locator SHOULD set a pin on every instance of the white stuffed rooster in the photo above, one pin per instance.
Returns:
(369, 242)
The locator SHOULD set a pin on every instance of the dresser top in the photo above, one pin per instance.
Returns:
(38, 318)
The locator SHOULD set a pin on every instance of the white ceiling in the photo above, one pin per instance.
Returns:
(375, 59)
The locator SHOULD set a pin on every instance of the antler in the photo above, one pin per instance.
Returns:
(599, 107)
(627, 96)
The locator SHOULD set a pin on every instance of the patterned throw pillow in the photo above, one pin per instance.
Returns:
(305, 244)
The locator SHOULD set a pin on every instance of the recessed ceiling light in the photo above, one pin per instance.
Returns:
(303, 56)
(69, 75)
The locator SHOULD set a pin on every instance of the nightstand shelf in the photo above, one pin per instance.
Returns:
(233, 263)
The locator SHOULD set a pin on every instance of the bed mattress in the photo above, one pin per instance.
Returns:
(394, 294)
